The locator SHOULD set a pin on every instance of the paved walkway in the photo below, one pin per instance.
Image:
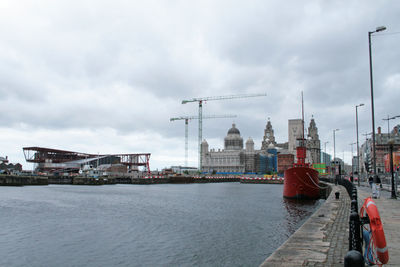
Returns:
(323, 239)
(389, 211)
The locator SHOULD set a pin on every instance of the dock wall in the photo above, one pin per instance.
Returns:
(14, 180)
(322, 240)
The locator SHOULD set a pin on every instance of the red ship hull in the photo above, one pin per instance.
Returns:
(301, 183)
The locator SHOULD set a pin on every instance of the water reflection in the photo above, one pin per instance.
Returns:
(297, 211)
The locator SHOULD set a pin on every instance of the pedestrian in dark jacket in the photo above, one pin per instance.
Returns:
(378, 181)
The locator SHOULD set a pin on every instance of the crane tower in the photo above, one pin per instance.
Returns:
(210, 98)
(187, 118)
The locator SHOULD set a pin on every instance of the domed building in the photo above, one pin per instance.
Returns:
(234, 158)
(231, 159)
(272, 157)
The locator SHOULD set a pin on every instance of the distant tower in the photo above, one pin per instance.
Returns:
(313, 142)
(204, 147)
(204, 153)
(269, 137)
(250, 156)
(250, 145)
(295, 131)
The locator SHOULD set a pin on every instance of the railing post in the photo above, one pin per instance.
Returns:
(354, 256)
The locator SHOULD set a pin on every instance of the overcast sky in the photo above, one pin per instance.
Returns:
(106, 76)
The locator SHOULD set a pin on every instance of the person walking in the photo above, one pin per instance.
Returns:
(376, 187)
(370, 181)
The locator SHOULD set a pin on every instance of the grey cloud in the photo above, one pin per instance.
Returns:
(128, 65)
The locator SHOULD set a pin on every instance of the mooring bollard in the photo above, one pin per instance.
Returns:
(353, 258)
(337, 194)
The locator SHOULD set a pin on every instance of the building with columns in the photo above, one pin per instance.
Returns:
(271, 157)
(235, 158)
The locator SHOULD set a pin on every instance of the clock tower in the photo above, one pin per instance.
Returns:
(269, 137)
(313, 142)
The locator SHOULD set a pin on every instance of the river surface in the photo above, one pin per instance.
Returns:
(220, 224)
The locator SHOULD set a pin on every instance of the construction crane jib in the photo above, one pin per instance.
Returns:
(211, 98)
(187, 118)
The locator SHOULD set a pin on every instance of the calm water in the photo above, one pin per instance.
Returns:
(225, 224)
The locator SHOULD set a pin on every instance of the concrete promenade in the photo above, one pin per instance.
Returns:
(323, 239)
(389, 211)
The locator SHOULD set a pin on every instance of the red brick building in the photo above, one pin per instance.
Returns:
(285, 161)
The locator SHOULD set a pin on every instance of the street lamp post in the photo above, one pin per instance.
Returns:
(352, 167)
(388, 119)
(325, 150)
(391, 142)
(334, 148)
(378, 29)
(325, 157)
(358, 153)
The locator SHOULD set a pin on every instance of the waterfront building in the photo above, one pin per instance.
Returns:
(184, 170)
(4, 159)
(295, 131)
(10, 168)
(313, 143)
(381, 148)
(269, 137)
(271, 157)
(235, 158)
(285, 161)
(6, 167)
(326, 158)
(49, 160)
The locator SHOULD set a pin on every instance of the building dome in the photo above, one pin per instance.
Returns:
(271, 146)
(233, 141)
(233, 130)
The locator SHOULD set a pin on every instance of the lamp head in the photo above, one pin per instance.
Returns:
(380, 28)
(361, 105)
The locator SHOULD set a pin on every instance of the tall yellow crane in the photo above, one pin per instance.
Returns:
(187, 118)
(211, 98)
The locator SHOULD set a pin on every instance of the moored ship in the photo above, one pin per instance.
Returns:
(301, 181)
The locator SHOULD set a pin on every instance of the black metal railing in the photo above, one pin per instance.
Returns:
(354, 255)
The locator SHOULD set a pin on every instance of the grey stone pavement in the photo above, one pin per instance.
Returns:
(323, 239)
(389, 211)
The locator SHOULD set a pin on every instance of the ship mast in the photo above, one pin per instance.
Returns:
(301, 150)
(302, 114)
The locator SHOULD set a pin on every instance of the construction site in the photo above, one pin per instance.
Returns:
(234, 160)
(49, 161)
